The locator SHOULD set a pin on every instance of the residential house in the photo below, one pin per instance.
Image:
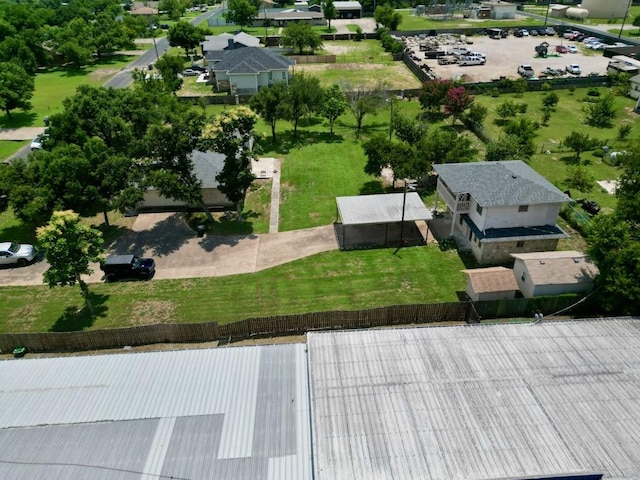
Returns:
(553, 273)
(281, 18)
(214, 46)
(500, 208)
(492, 283)
(246, 70)
(206, 166)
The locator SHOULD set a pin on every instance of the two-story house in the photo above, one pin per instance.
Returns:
(500, 208)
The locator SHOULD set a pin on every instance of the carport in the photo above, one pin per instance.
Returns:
(381, 220)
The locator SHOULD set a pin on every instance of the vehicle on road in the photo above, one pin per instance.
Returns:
(116, 267)
(36, 143)
(574, 69)
(20, 254)
(526, 71)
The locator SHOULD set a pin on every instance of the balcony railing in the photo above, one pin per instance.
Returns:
(463, 207)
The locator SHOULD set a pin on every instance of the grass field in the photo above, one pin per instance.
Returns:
(328, 281)
(412, 22)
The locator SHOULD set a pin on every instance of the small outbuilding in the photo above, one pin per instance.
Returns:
(348, 9)
(380, 220)
(553, 273)
(492, 283)
(500, 10)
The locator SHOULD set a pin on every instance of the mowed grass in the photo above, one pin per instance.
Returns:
(412, 22)
(328, 281)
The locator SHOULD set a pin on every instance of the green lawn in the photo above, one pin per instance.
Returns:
(328, 281)
(412, 22)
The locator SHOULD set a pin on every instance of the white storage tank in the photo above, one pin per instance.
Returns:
(575, 12)
(606, 8)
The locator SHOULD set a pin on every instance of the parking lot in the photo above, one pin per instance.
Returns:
(503, 57)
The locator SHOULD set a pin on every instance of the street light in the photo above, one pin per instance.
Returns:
(546, 16)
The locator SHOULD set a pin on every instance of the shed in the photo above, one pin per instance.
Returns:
(365, 212)
(348, 9)
(553, 273)
(493, 283)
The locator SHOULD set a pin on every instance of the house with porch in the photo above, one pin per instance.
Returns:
(247, 70)
(496, 209)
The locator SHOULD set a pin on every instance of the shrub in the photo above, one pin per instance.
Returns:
(359, 34)
(624, 131)
(522, 107)
(495, 92)
(593, 92)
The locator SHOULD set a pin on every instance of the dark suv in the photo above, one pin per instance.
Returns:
(127, 266)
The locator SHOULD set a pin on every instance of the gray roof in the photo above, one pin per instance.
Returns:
(347, 5)
(477, 402)
(206, 165)
(226, 413)
(293, 14)
(385, 208)
(496, 184)
(221, 42)
(252, 60)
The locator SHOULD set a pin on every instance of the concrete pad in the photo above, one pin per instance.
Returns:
(609, 185)
(19, 134)
(265, 167)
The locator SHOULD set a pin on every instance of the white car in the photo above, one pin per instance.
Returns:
(12, 253)
(574, 69)
(596, 46)
(36, 144)
(572, 49)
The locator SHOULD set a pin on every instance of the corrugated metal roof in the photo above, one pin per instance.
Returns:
(496, 184)
(385, 208)
(477, 402)
(234, 413)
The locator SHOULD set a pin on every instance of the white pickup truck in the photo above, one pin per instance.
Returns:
(526, 71)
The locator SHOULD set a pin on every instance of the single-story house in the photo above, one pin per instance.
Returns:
(492, 283)
(348, 9)
(246, 70)
(634, 87)
(206, 166)
(281, 18)
(553, 273)
(215, 44)
(500, 208)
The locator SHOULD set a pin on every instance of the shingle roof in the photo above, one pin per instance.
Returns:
(221, 42)
(347, 5)
(553, 268)
(252, 60)
(512, 234)
(493, 279)
(206, 165)
(495, 184)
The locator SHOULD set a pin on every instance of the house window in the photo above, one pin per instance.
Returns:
(461, 219)
(520, 244)
(523, 208)
(479, 209)
(284, 75)
(270, 76)
(523, 277)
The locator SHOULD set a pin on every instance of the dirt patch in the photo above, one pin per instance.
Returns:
(335, 49)
(152, 311)
(104, 73)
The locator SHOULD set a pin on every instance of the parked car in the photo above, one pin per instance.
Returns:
(526, 71)
(550, 31)
(190, 72)
(561, 49)
(525, 33)
(574, 69)
(198, 68)
(533, 32)
(596, 46)
(518, 33)
(36, 143)
(572, 49)
(21, 254)
(116, 267)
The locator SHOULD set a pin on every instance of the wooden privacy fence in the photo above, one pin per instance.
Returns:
(211, 331)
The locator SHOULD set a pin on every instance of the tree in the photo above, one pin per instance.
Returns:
(520, 86)
(550, 100)
(174, 8)
(304, 97)
(330, 11)
(408, 130)
(636, 22)
(230, 134)
(16, 88)
(601, 112)
(269, 103)
(241, 12)
(444, 145)
(110, 35)
(506, 147)
(579, 142)
(507, 109)
(185, 35)
(615, 248)
(524, 129)
(74, 42)
(300, 35)
(400, 157)
(169, 67)
(628, 191)
(456, 102)
(386, 16)
(476, 115)
(69, 247)
(362, 101)
(334, 104)
(578, 177)
(432, 94)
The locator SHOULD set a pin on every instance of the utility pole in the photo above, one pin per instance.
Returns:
(626, 14)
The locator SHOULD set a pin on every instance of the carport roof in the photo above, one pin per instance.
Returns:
(385, 208)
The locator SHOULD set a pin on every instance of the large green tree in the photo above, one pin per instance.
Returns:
(334, 104)
(304, 97)
(387, 16)
(16, 88)
(579, 142)
(628, 191)
(185, 35)
(241, 12)
(330, 11)
(170, 67)
(174, 8)
(70, 247)
(398, 156)
(300, 35)
(270, 104)
(363, 101)
(231, 134)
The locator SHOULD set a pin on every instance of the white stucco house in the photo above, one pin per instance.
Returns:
(553, 273)
(247, 70)
(206, 165)
(500, 208)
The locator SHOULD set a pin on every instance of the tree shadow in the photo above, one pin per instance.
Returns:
(19, 119)
(372, 128)
(372, 187)
(112, 232)
(570, 160)
(288, 141)
(163, 238)
(501, 122)
(75, 319)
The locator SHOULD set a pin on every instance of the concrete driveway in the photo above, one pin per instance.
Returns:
(180, 254)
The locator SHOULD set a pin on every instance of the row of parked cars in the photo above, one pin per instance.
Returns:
(534, 32)
(527, 71)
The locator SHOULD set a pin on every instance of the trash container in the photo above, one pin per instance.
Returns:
(19, 352)
(200, 230)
